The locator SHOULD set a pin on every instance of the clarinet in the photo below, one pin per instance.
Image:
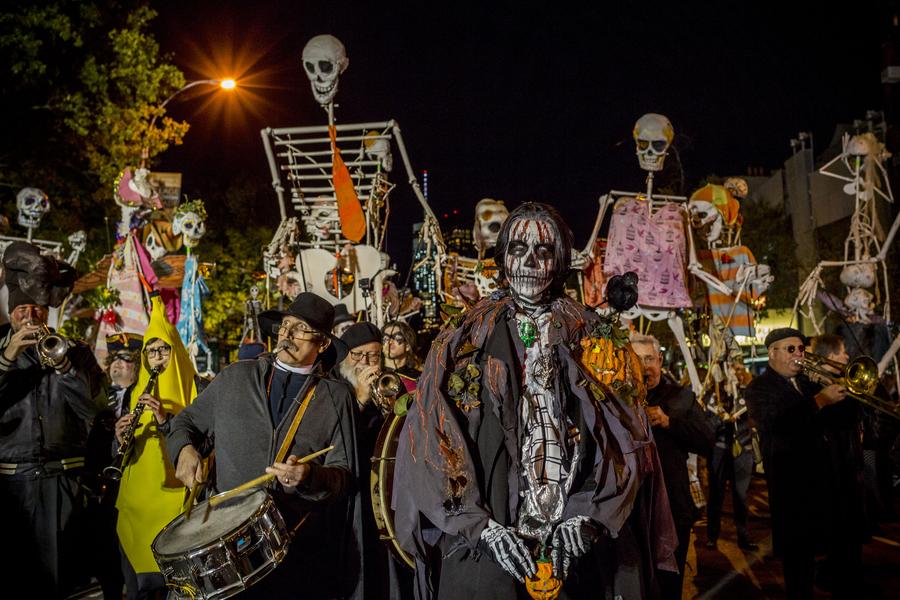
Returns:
(114, 471)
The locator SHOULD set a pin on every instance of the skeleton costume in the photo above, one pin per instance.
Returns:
(513, 450)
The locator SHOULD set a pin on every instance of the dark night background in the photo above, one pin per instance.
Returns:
(537, 103)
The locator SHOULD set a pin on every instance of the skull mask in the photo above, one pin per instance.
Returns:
(33, 204)
(530, 258)
(652, 133)
(490, 215)
(324, 59)
(191, 226)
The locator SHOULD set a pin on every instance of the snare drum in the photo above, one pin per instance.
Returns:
(381, 486)
(241, 542)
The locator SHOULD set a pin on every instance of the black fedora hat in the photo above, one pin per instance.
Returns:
(341, 315)
(317, 312)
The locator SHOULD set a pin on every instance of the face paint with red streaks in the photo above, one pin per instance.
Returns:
(530, 259)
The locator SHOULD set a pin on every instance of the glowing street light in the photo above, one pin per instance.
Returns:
(225, 84)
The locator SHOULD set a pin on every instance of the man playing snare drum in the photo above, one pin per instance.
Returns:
(246, 413)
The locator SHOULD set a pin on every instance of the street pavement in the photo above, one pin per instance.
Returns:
(735, 574)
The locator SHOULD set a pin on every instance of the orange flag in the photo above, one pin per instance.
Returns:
(353, 221)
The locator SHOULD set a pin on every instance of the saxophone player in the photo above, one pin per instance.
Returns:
(150, 495)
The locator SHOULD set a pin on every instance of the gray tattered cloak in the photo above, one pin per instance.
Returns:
(457, 460)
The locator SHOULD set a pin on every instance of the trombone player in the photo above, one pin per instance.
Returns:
(785, 406)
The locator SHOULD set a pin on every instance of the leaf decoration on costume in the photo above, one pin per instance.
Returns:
(402, 404)
(464, 387)
(456, 476)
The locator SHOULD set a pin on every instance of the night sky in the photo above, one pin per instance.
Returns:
(496, 100)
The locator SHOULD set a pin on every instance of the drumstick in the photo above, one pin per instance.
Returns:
(261, 480)
(192, 497)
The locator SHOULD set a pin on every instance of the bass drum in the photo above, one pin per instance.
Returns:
(381, 486)
(242, 541)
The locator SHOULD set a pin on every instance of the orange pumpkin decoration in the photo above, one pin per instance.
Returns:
(543, 586)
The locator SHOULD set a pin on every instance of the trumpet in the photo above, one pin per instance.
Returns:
(386, 388)
(123, 455)
(51, 347)
(859, 376)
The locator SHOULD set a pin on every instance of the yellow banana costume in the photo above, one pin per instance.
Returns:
(149, 494)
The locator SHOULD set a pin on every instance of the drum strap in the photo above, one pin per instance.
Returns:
(295, 424)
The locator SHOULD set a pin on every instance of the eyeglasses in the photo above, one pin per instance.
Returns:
(159, 351)
(369, 356)
(397, 337)
(295, 332)
(791, 349)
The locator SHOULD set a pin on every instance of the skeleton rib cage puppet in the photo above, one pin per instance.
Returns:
(866, 246)
(337, 179)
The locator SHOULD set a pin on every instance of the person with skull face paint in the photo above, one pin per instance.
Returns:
(513, 449)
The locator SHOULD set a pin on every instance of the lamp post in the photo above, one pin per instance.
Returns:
(225, 84)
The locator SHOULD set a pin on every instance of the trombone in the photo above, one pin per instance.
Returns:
(859, 376)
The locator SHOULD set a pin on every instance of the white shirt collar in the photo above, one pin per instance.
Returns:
(305, 370)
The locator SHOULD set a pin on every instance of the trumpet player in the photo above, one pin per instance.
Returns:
(785, 406)
(44, 412)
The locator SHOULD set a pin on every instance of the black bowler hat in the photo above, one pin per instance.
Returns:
(341, 315)
(783, 333)
(317, 312)
(361, 333)
(128, 342)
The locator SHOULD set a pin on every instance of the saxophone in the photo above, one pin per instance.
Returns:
(114, 471)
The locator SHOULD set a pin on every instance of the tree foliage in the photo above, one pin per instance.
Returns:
(84, 81)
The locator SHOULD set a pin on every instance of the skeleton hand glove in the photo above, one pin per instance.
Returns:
(571, 539)
(508, 550)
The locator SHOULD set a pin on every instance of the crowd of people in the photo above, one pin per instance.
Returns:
(519, 466)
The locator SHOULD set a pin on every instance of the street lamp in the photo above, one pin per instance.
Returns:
(225, 84)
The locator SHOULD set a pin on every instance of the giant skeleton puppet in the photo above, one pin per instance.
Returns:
(864, 265)
(650, 236)
(520, 449)
(190, 223)
(715, 216)
(337, 177)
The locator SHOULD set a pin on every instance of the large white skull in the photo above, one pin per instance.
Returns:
(490, 215)
(32, 204)
(379, 148)
(652, 134)
(324, 59)
(859, 275)
(707, 219)
(190, 226)
(861, 303)
(530, 258)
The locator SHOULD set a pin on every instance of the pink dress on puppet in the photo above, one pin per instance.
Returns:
(653, 246)
(131, 311)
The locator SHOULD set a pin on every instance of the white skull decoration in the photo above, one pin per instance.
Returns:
(324, 59)
(490, 215)
(324, 219)
(738, 187)
(32, 204)
(653, 133)
(530, 258)
(861, 303)
(379, 148)
(707, 219)
(858, 275)
(190, 222)
(78, 241)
